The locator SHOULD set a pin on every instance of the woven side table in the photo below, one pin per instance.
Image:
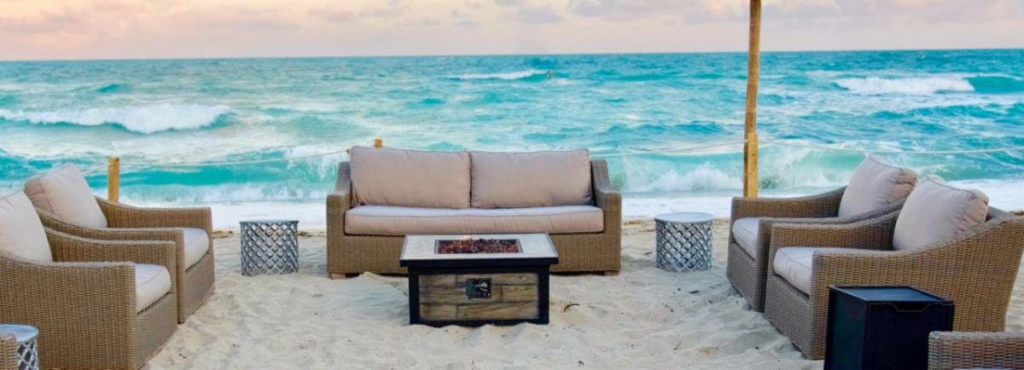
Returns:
(684, 241)
(270, 247)
(18, 347)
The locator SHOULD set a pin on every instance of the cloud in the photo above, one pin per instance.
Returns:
(538, 15)
(334, 15)
(508, 2)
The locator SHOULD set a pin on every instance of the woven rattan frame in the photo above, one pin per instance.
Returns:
(84, 303)
(8, 352)
(975, 350)
(748, 274)
(195, 283)
(976, 270)
(584, 252)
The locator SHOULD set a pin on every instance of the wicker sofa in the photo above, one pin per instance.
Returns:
(65, 203)
(97, 304)
(876, 188)
(383, 194)
(944, 240)
(975, 350)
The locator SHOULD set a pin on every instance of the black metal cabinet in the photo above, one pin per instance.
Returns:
(882, 327)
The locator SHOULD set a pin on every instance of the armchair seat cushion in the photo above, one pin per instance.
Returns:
(151, 283)
(21, 232)
(197, 243)
(64, 193)
(794, 264)
(745, 231)
(387, 220)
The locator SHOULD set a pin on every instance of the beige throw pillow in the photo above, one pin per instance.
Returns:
(64, 193)
(936, 211)
(21, 233)
(538, 179)
(875, 184)
(410, 178)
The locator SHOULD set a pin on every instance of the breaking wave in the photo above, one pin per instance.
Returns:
(146, 119)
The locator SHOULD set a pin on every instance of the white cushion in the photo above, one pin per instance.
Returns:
(381, 220)
(539, 179)
(21, 233)
(410, 178)
(151, 283)
(64, 193)
(936, 211)
(794, 265)
(745, 231)
(197, 242)
(875, 184)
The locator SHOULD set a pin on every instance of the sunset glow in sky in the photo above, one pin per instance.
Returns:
(90, 29)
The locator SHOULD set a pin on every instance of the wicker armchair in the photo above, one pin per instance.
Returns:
(748, 272)
(84, 303)
(975, 350)
(194, 283)
(975, 269)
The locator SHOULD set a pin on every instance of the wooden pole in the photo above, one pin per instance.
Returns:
(113, 179)
(378, 143)
(750, 179)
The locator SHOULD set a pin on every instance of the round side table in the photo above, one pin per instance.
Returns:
(270, 247)
(18, 346)
(683, 241)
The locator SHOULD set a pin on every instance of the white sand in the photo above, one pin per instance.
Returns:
(642, 318)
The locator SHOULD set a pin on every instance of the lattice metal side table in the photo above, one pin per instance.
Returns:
(684, 241)
(270, 247)
(18, 347)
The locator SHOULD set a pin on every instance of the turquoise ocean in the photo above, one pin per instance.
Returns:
(262, 137)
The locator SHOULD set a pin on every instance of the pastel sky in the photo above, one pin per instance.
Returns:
(89, 29)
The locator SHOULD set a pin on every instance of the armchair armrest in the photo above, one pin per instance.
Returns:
(89, 295)
(69, 248)
(338, 202)
(53, 223)
(871, 233)
(813, 206)
(958, 350)
(123, 216)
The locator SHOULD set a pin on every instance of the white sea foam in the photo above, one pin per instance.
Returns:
(702, 178)
(144, 119)
(501, 76)
(909, 85)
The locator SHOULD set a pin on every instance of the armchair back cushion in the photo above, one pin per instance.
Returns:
(410, 178)
(537, 179)
(21, 233)
(875, 184)
(935, 212)
(64, 193)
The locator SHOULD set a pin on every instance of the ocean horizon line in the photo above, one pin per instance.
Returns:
(492, 55)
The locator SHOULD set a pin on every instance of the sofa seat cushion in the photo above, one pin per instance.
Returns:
(745, 231)
(936, 211)
(151, 283)
(410, 178)
(197, 242)
(537, 179)
(384, 220)
(794, 264)
(21, 233)
(64, 193)
(875, 184)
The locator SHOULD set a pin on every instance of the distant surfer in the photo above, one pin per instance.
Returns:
(551, 74)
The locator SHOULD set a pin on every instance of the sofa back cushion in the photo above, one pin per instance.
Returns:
(21, 233)
(935, 211)
(875, 184)
(410, 178)
(538, 179)
(64, 193)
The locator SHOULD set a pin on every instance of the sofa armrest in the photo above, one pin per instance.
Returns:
(812, 206)
(606, 196)
(124, 216)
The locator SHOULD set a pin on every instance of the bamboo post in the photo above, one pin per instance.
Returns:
(378, 143)
(113, 179)
(750, 179)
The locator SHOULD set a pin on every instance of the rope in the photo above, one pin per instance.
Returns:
(664, 151)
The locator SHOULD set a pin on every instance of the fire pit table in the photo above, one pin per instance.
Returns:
(475, 280)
